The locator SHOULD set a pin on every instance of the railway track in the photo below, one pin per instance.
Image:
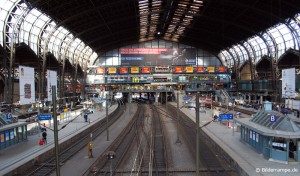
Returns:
(211, 162)
(105, 166)
(159, 154)
(48, 167)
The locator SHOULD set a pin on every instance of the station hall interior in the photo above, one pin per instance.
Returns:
(232, 54)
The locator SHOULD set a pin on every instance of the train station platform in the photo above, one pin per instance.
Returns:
(16, 155)
(229, 139)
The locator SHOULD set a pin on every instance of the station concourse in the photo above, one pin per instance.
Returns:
(66, 66)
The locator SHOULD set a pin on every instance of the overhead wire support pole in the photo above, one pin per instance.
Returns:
(55, 130)
(197, 135)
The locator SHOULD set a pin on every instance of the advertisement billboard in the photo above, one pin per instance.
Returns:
(27, 87)
(288, 83)
(158, 56)
(51, 81)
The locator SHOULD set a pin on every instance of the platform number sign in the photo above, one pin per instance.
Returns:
(273, 118)
(8, 116)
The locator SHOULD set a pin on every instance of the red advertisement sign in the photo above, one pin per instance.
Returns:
(100, 70)
(142, 50)
(200, 69)
(221, 69)
(123, 70)
(146, 69)
(178, 69)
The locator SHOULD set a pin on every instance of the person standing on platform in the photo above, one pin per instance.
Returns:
(44, 134)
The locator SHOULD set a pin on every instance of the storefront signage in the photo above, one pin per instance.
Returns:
(135, 70)
(221, 69)
(146, 70)
(178, 69)
(162, 69)
(112, 70)
(276, 144)
(200, 69)
(189, 69)
(210, 69)
(100, 70)
(123, 70)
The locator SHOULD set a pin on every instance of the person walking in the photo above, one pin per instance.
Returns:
(44, 134)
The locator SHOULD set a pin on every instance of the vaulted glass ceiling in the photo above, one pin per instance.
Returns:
(273, 43)
(40, 32)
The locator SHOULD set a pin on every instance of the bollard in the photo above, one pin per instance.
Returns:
(90, 149)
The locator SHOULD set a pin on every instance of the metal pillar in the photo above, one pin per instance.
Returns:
(55, 130)
(107, 137)
(166, 100)
(233, 122)
(177, 125)
(197, 135)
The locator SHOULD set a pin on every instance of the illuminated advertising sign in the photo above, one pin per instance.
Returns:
(178, 69)
(189, 69)
(134, 70)
(112, 70)
(221, 69)
(123, 70)
(200, 69)
(146, 69)
(155, 56)
(142, 50)
(210, 69)
(100, 70)
(162, 69)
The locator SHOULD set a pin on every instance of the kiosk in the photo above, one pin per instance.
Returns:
(272, 134)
